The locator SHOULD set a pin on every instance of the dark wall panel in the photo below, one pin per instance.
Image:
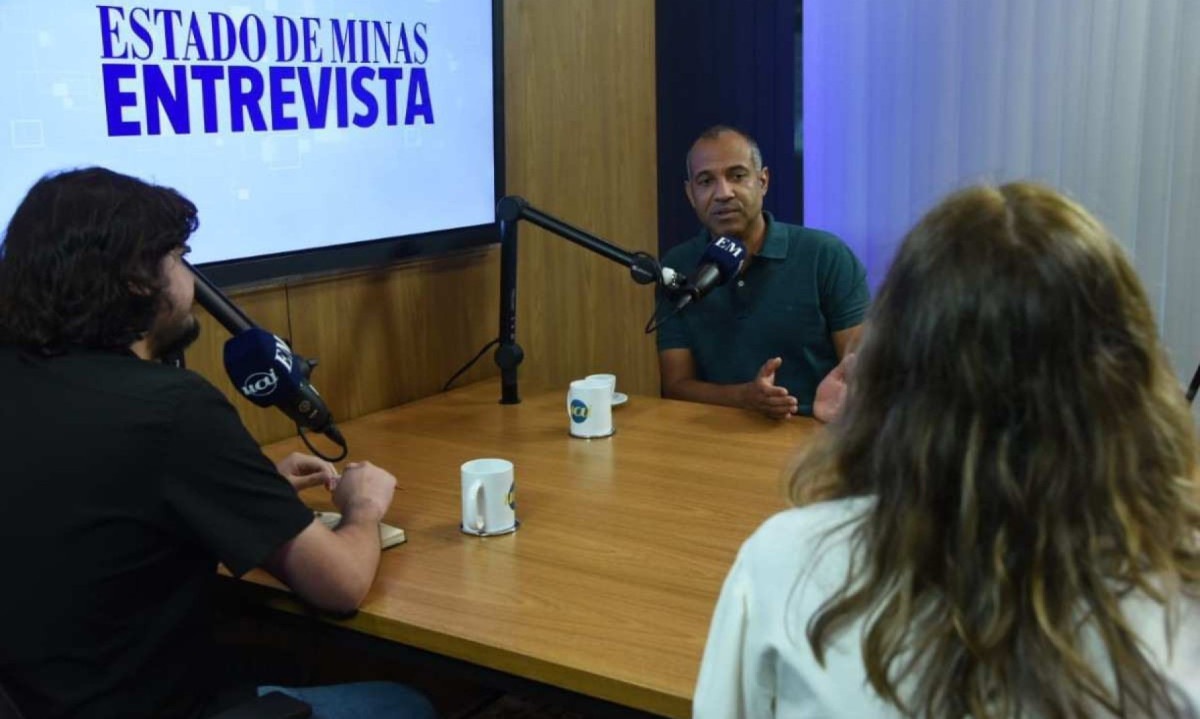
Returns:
(724, 62)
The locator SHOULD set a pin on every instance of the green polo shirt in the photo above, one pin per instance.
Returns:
(804, 285)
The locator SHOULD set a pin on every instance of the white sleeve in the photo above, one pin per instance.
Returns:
(1183, 667)
(725, 688)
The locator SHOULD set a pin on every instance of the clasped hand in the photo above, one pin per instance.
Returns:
(304, 470)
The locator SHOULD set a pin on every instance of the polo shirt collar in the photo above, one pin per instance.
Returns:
(775, 243)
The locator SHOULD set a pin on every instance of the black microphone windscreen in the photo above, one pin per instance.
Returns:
(727, 253)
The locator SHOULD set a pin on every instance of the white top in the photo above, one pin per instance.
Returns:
(758, 662)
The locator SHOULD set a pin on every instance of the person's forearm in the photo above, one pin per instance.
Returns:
(359, 529)
(342, 584)
(694, 390)
(332, 571)
(360, 537)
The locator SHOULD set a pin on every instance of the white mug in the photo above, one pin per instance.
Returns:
(611, 379)
(589, 408)
(489, 504)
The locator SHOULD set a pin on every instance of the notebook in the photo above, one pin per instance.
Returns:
(389, 536)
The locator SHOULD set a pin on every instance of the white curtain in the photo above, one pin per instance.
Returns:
(906, 100)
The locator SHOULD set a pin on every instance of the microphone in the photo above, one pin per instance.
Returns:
(722, 260)
(267, 373)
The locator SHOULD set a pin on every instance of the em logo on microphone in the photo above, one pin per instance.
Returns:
(579, 411)
(260, 384)
(736, 249)
(283, 353)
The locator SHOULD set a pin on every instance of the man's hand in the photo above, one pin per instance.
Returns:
(334, 570)
(304, 471)
(364, 492)
(763, 395)
(831, 393)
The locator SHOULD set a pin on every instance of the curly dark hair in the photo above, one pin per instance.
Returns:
(80, 262)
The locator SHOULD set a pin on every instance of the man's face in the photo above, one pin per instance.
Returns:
(725, 189)
(175, 327)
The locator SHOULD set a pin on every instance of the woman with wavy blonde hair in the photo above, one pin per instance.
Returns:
(1004, 522)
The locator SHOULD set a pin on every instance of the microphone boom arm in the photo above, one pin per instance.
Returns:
(218, 305)
(643, 268)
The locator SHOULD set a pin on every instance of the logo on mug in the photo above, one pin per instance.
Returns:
(511, 499)
(579, 411)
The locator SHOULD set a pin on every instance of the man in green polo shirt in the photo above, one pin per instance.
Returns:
(767, 338)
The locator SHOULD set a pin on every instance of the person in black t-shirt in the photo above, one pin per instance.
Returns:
(127, 480)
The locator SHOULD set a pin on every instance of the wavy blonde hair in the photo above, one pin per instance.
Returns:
(1033, 461)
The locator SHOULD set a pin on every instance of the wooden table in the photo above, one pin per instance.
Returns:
(608, 587)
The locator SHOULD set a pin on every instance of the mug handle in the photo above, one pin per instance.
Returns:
(477, 494)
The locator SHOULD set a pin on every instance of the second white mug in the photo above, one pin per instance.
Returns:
(611, 379)
(589, 408)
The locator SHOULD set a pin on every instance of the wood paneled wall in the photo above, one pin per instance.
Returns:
(581, 146)
(580, 136)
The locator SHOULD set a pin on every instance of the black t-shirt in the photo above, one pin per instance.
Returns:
(123, 484)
